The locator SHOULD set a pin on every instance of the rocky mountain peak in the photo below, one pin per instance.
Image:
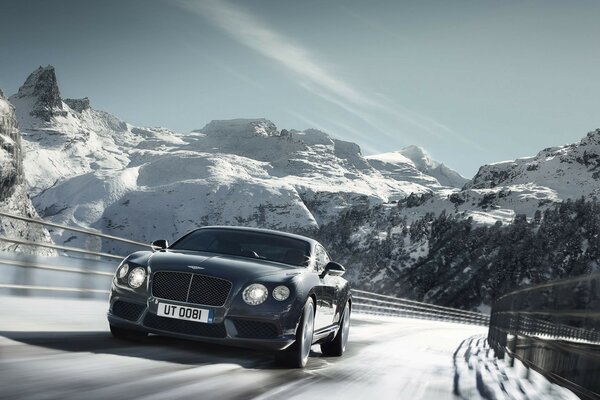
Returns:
(427, 165)
(240, 128)
(78, 105)
(569, 171)
(592, 138)
(419, 157)
(42, 84)
(41, 88)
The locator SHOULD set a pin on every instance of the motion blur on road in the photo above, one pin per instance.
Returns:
(61, 348)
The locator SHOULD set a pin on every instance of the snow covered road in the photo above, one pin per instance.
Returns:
(51, 348)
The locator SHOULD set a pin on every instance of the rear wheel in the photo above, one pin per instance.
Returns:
(337, 346)
(127, 334)
(297, 355)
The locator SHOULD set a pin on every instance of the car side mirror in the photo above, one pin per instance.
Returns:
(160, 244)
(334, 269)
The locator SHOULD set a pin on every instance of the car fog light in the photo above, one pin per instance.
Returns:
(137, 277)
(123, 270)
(280, 293)
(255, 294)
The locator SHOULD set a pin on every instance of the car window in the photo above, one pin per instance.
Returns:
(250, 244)
(321, 259)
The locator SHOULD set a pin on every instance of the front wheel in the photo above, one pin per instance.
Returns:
(297, 355)
(337, 346)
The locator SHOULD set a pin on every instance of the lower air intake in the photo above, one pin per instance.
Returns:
(127, 310)
(255, 329)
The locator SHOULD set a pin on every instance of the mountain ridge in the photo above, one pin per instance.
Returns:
(378, 214)
(90, 165)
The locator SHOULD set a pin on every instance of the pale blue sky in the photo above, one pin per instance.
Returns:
(471, 81)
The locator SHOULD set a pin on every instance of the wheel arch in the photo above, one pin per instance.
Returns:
(313, 296)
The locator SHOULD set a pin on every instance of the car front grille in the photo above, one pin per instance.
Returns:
(190, 288)
(255, 329)
(184, 327)
(127, 310)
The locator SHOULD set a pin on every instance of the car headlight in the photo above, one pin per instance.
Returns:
(255, 294)
(137, 277)
(123, 270)
(280, 293)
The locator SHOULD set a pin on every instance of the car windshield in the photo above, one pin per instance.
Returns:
(251, 244)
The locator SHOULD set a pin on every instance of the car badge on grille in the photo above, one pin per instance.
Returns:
(195, 267)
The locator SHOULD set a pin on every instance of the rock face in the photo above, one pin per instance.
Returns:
(78, 105)
(41, 91)
(13, 193)
(11, 158)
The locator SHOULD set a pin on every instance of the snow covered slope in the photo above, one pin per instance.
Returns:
(424, 163)
(569, 171)
(63, 142)
(396, 166)
(88, 168)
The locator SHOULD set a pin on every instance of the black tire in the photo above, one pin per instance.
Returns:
(337, 346)
(127, 334)
(296, 356)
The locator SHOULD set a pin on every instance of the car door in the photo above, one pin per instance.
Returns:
(326, 292)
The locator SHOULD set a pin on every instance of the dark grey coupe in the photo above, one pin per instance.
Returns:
(241, 286)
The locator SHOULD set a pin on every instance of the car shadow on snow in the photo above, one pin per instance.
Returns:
(157, 348)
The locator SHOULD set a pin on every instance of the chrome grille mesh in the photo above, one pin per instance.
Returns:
(190, 288)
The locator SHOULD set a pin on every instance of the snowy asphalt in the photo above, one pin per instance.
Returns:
(51, 348)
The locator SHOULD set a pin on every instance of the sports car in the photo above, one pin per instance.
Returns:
(240, 286)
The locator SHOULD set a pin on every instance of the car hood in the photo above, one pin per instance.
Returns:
(223, 266)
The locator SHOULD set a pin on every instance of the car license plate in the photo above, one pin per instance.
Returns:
(185, 313)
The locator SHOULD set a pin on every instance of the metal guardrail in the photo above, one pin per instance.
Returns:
(72, 229)
(58, 247)
(90, 232)
(378, 304)
(52, 288)
(55, 268)
(24, 285)
(364, 302)
(553, 328)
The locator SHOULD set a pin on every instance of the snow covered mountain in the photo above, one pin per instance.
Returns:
(564, 172)
(384, 216)
(424, 163)
(13, 191)
(516, 223)
(88, 168)
(396, 166)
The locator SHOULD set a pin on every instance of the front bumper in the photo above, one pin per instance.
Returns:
(267, 330)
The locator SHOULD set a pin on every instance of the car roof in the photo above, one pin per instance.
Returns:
(261, 230)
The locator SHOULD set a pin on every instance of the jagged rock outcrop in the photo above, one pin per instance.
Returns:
(13, 192)
(78, 105)
(11, 158)
(41, 91)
